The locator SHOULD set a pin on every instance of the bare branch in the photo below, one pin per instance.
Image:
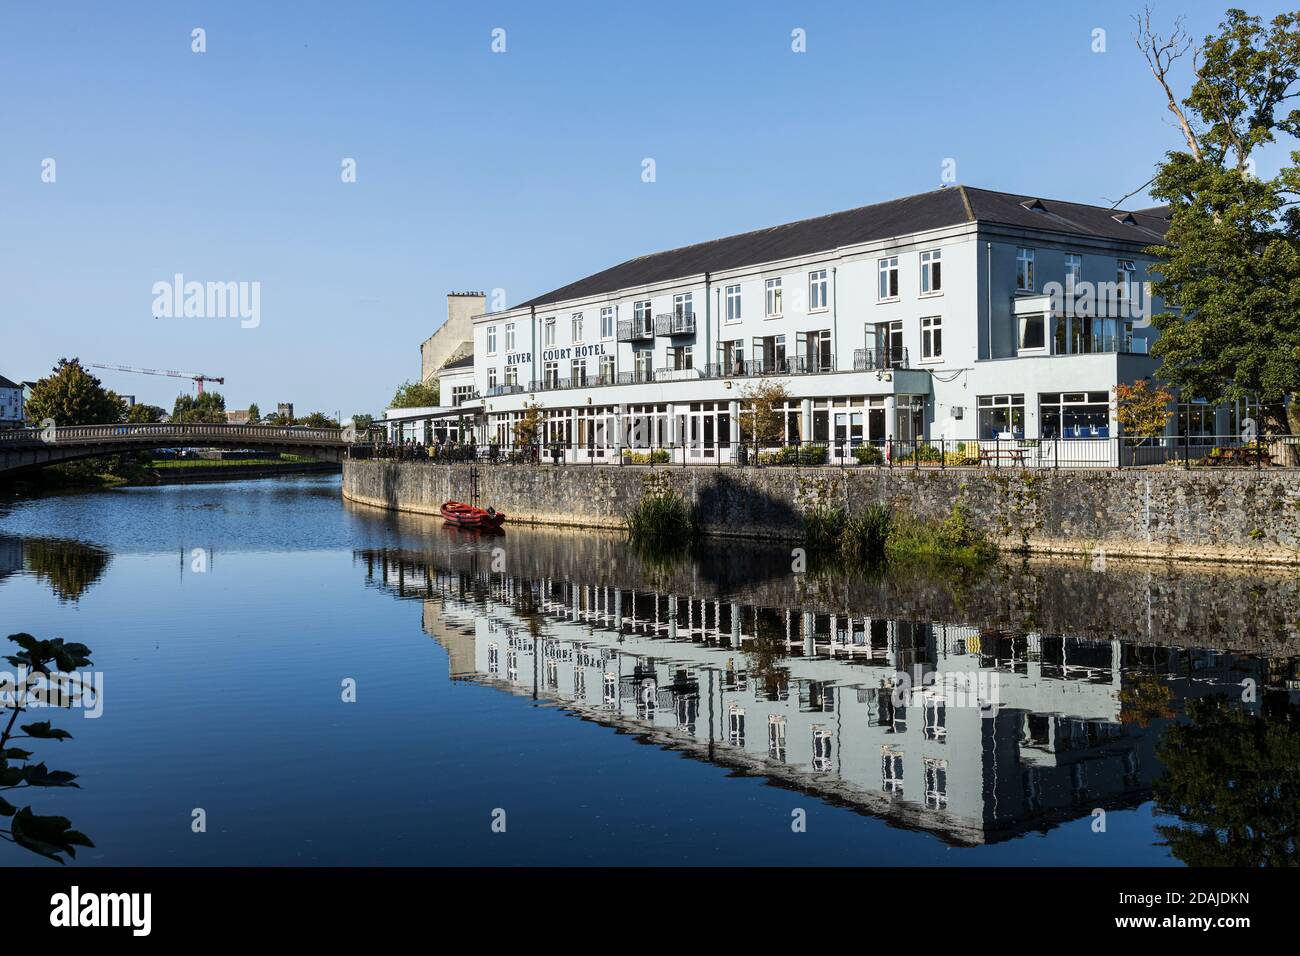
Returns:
(1161, 53)
(1127, 195)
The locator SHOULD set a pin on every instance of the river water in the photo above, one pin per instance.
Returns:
(289, 679)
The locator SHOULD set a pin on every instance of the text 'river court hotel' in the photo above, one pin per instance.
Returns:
(961, 313)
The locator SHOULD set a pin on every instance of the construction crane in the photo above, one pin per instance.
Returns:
(194, 376)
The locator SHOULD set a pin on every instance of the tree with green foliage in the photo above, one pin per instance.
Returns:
(415, 395)
(208, 408)
(141, 414)
(362, 422)
(1230, 267)
(42, 664)
(70, 395)
(254, 414)
(762, 412)
(318, 420)
(1232, 778)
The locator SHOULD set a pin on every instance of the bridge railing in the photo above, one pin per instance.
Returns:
(181, 433)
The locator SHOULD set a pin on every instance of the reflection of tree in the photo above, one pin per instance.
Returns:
(1233, 779)
(1144, 698)
(765, 653)
(45, 678)
(69, 567)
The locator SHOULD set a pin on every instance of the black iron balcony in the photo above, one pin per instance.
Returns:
(677, 374)
(675, 323)
(636, 377)
(634, 330)
(873, 360)
(496, 390)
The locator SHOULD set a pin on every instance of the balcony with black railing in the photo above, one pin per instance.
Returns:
(675, 323)
(874, 360)
(634, 330)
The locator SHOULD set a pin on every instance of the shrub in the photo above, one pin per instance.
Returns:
(868, 455)
(796, 455)
(662, 518)
(866, 535)
(822, 527)
(655, 457)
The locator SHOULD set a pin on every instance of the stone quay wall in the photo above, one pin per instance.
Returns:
(1201, 514)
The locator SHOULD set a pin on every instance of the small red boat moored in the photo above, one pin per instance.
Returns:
(468, 516)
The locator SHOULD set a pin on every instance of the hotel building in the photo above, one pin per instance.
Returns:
(961, 313)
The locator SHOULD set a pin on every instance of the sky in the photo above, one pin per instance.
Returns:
(519, 170)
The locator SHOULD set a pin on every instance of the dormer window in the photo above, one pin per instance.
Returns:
(1034, 205)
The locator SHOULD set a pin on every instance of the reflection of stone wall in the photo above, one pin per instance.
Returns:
(1235, 514)
(1182, 604)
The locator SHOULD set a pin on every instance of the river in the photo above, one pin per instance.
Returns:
(289, 679)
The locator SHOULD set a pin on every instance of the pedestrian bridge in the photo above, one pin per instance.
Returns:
(22, 448)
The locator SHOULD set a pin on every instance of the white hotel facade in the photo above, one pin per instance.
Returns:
(925, 317)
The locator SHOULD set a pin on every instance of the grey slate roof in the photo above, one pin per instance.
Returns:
(463, 362)
(897, 217)
(5, 383)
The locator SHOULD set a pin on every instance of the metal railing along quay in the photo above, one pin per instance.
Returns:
(1116, 453)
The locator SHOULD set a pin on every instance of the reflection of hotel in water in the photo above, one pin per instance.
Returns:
(818, 715)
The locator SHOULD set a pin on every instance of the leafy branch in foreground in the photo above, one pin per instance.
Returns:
(40, 684)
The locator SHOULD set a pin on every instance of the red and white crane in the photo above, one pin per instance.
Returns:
(193, 376)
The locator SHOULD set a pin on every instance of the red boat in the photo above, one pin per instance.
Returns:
(467, 516)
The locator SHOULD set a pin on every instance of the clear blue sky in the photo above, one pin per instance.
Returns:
(478, 170)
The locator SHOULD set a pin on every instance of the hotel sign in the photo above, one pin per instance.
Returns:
(518, 358)
(576, 351)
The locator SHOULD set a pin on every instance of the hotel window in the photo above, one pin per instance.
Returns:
(510, 336)
(1001, 416)
(645, 365)
(577, 327)
(512, 374)
(1033, 331)
(492, 340)
(643, 321)
(776, 737)
(551, 374)
(936, 719)
(611, 689)
(736, 726)
(733, 303)
(1074, 414)
(888, 278)
(936, 783)
(1073, 270)
(492, 377)
(607, 369)
(548, 332)
(931, 338)
(821, 749)
(607, 322)
(1125, 276)
(684, 304)
(817, 288)
(773, 297)
(681, 357)
(931, 272)
(578, 373)
(891, 769)
(1024, 270)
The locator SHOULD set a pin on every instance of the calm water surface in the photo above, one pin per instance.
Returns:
(719, 710)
